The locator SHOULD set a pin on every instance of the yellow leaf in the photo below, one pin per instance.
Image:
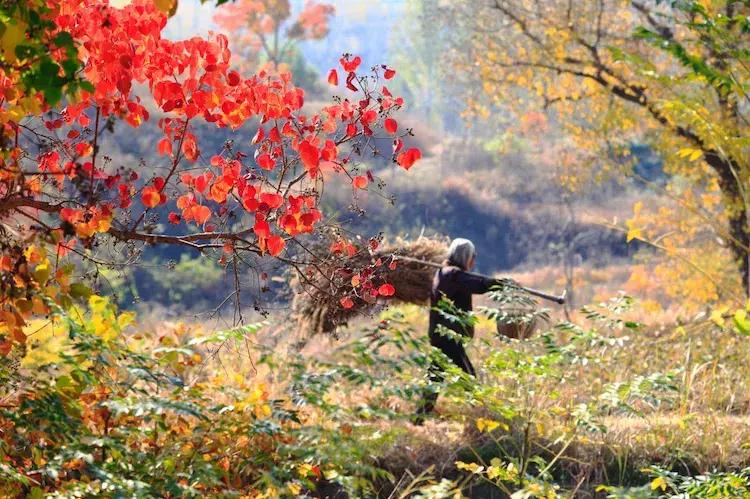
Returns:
(696, 154)
(472, 467)
(34, 254)
(304, 470)
(42, 272)
(169, 7)
(633, 233)
(540, 427)
(659, 483)
(125, 319)
(493, 472)
(294, 488)
(103, 225)
(487, 424)
(14, 34)
(717, 316)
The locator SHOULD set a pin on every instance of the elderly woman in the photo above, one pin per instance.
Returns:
(454, 282)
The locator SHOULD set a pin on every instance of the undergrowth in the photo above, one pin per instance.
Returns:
(605, 407)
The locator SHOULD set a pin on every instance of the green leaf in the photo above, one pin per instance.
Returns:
(741, 322)
(79, 290)
(87, 86)
(63, 39)
(25, 51)
(52, 95)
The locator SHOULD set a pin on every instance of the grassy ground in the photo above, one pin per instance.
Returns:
(578, 407)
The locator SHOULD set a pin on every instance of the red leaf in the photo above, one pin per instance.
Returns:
(350, 82)
(275, 245)
(369, 116)
(201, 182)
(310, 157)
(150, 196)
(258, 136)
(189, 147)
(350, 65)
(174, 218)
(233, 78)
(360, 182)
(273, 200)
(407, 158)
(333, 77)
(389, 73)
(273, 135)
(202, 214)
(386, 290)
(164, 147)
(346, 302)
(329, 151)
(265, 161)
(261, 228)
(398, 144)
(71, 215)
(391, 126)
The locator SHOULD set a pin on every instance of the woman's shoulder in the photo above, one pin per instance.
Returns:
(449, 271)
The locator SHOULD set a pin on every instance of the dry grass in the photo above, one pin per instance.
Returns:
(317, 306)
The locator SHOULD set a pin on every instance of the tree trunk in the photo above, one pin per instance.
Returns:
(737, 213)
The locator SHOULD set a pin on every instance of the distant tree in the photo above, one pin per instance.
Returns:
(264, 31)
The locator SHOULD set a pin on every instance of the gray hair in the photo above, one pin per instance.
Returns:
(460, 252)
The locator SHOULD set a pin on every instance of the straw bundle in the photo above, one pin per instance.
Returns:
(317, 306)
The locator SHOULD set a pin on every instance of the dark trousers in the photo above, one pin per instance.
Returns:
(456, 353)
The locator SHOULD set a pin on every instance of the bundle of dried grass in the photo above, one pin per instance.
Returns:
(317, 305)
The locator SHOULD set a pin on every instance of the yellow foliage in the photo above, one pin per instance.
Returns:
(46, 339)
(104, 320)
(13, 35)
(471, 467)
(659, 483)
(717, 316)
(489, 425)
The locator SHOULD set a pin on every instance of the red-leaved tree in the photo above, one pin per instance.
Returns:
(61, 197)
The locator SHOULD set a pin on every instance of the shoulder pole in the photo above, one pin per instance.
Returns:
(560, 299)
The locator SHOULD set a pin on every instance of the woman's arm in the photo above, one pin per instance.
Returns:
(476, 284)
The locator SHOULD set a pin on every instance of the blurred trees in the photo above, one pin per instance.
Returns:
(263, 31)
(615, 72)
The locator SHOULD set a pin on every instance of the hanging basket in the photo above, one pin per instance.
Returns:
(518, 323)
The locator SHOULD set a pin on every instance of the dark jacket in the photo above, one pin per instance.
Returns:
(457, 286)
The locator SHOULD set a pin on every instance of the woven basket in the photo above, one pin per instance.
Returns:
(518, 323)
